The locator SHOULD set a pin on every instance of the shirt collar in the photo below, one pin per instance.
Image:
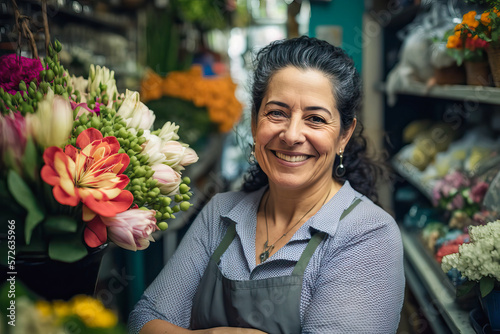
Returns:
(325, 220)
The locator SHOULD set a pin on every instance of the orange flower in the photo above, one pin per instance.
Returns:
(91, 175)
(454, 42)
(470, 19)
(485, 18)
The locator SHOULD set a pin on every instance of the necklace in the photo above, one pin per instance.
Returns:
(269, 248)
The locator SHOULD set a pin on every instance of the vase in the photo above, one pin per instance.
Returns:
(491, 307)
(450, 75)
(494, 60)
(56, 280)
(477, 73)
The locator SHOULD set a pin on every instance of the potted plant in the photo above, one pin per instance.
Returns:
(467, 47)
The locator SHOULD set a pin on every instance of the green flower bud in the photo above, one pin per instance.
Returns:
(186, 180)
(139, 172)
(79, 130)
(95, 122)
(43, 73)
(22, 86)
(150, 173)
(178, 198)
(136, 187)
(31, 92)
(186, 197)
(140, 132)
(167, 216)
(176, 208)
(183, 188)
(51, 50)
(121, 150)
(166, 200)
(163, 225)
(185, 206)
(57, 46)
(39, 96)
(169, 210)
(50, 75)
(122, 133)
(83, 118)
(136, 182)
(105, 99)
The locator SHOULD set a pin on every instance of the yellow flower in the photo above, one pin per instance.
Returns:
(44, 308)
(92, 312)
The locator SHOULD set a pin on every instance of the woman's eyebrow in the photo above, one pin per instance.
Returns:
(310, 108)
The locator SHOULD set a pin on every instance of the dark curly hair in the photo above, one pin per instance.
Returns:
(311, 53)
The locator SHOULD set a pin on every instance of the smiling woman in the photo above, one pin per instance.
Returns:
(302, 248)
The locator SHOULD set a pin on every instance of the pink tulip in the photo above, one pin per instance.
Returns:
(173, 151)
(168, 179)
(131, 229)
(12, 139)
(189, 157)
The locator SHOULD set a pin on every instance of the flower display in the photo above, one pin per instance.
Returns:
(464, 43)
(81, 163)
(478, 260)
(462, 197)
(215, 94)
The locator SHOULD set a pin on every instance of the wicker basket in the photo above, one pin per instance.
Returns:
(451, 75)
(494, 60)
(478, 73)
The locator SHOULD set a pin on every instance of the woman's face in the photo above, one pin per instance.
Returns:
(298, 129)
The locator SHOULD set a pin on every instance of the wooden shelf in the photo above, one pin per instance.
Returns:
(471, 94)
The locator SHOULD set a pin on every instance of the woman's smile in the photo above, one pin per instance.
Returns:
(290, 157)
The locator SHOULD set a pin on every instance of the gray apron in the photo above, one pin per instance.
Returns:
(271, 305)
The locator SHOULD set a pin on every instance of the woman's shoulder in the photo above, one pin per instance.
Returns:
(368, 217)
(224, 202)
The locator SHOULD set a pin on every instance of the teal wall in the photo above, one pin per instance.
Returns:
(345, 13)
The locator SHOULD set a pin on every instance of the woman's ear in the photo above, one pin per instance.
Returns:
(346, 136)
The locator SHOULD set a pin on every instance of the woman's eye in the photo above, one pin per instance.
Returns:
(317, 119)
(276, 113)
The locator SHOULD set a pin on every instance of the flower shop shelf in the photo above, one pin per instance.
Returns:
(432, 288)
(479, 94)
(413, 175)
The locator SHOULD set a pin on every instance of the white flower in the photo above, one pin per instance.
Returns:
(479, 258)
(168, 179)
(152, 147)
(173, 151)
(52, 123)
(135, 113)
(102, 75)
(169, 132)
(189, 157)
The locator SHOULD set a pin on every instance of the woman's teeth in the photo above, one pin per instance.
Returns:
(291, 158)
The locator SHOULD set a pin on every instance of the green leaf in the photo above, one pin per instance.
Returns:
(23, 195)
(465, 288)
(60, 224)
(67, 248)
(486, 285)
(30, 159)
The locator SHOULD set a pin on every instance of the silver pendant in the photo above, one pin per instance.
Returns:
(265, 254)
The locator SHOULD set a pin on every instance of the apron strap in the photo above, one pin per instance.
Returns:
(224, 244)
(316, 239)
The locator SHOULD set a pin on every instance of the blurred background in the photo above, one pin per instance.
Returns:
(423, 108)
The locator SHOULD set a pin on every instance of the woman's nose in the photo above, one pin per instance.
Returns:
(293, 133)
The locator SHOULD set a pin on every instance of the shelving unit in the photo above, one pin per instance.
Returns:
(431, 288)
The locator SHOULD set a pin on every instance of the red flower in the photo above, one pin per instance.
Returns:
(91, 175)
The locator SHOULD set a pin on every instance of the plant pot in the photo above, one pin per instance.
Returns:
(477, 73)
(491, 307)
(450, 75)
(53, 280)
(494, 60)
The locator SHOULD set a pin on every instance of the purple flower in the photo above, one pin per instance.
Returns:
(478, 191)
(458, 202)
(15, 69)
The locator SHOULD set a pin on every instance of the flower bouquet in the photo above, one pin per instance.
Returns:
(80, 162)
(462, 197)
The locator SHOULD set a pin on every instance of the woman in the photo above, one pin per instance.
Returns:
(302, 249)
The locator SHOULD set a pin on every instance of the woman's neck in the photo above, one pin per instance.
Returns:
(286, 207)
